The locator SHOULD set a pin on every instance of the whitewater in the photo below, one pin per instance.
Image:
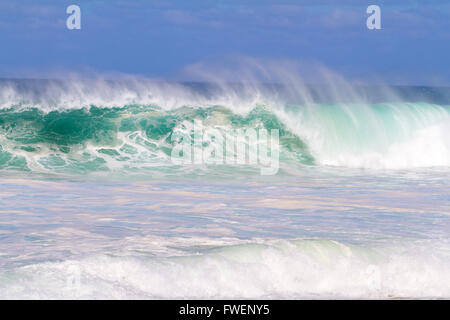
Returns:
(91, 205)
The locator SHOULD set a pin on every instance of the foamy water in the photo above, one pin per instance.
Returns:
(91, 205)
(318, 237)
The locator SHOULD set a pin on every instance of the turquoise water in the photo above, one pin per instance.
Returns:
(91, 205)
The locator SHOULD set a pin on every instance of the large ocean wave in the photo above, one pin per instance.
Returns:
(77, 127)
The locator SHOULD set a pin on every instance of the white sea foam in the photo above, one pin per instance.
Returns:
(282, 269)
(385, 136)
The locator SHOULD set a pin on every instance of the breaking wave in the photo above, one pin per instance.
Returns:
(79, 127)
(278, 269)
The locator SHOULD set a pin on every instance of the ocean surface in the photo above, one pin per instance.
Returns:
(92, 205)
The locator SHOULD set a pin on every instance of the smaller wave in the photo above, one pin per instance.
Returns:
(282, 269)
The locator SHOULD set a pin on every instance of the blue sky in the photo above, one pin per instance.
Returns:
(160, 38)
